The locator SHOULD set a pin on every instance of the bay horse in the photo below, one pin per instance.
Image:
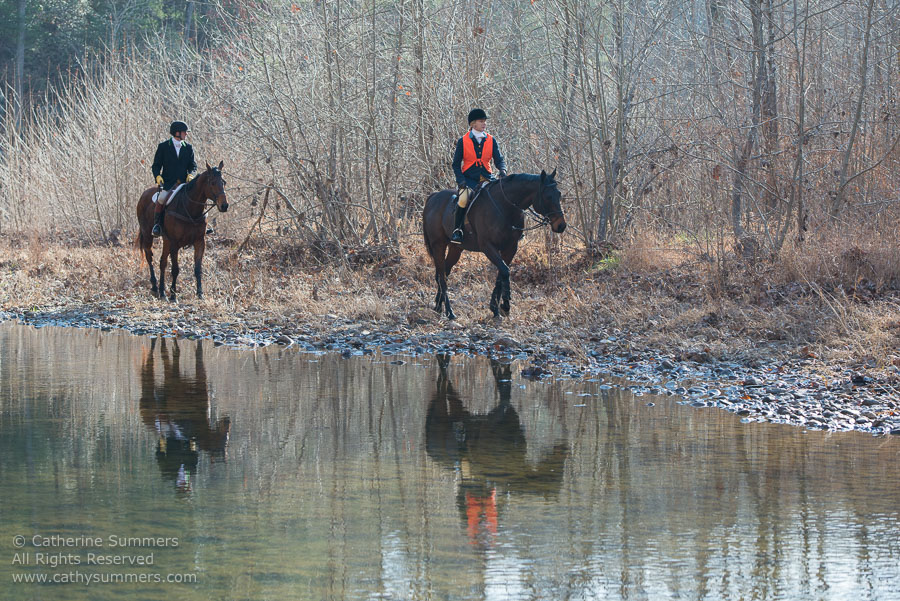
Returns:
(496, 224)
(184, 224)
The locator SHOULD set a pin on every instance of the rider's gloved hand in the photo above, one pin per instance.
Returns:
(502, 173)
(190, 176)
(159, 180)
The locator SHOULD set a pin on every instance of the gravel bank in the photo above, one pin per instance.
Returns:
(800, 390)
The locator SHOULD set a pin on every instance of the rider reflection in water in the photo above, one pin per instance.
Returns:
(178, 411)
(489, 451)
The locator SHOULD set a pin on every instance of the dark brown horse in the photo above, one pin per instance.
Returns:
(184, 224)
(496, 223)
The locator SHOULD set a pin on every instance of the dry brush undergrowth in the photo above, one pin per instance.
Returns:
(834, 302)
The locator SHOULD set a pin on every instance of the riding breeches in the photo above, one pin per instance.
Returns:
(462, 197)
(465, 193)
(161, 201)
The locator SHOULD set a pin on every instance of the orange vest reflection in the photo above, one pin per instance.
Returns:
(481, 514)
(489, 452)
(178, 411)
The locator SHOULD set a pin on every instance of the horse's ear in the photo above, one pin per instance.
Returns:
(543, 175)
(552, 175)
(221, 164)
(207, 166)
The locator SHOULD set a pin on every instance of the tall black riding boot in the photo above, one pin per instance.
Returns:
(157, 225)
(457, 236)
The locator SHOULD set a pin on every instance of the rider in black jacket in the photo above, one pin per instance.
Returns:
(173, 164)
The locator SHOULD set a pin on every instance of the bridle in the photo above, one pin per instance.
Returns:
(187, 199)
(542, 219)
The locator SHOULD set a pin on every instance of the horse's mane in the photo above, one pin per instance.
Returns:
(528, 177)
(190, 185)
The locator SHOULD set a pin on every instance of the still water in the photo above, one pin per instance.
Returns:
(133, 468)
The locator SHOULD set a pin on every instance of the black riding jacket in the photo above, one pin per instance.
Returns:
(173, 167)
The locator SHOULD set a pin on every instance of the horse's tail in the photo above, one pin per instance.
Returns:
(140, 239)
(427, 241)
(425, 229)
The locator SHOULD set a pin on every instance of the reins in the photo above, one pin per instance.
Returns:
(186, 217)
(542, 220)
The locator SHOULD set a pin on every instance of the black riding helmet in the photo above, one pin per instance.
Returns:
(476, 114)
(178, 126)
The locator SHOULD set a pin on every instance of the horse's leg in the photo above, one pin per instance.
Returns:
(199, 248)
(495, 295)
(437, 257)
(175, 271)
(440, 275)
(497, 292)
(148, 254)
(453, 253)
(508, 254)
(163, 260)
(502, 276)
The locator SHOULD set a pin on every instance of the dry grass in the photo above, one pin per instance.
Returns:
(651, 295)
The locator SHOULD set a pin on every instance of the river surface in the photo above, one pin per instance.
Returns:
(139, 468)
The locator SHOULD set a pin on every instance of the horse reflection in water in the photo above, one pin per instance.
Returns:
(178, 411)
(489, 451)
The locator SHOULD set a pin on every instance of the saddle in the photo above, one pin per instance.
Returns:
(170, 197)
(476, 193)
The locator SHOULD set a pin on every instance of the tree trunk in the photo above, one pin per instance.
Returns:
(20, 67)
(742, 160)
(189, 22)
(769, 110)
(844, 178)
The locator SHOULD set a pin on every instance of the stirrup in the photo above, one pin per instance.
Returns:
(457, 236)
(156, 232)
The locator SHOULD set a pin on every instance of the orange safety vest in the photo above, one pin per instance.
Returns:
(469, 156)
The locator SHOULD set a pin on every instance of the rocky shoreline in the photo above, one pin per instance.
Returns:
(801, 392)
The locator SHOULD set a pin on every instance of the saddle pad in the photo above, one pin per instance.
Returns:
(170, 197)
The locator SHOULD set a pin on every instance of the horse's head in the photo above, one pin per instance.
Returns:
(547, 203)
(214, 186)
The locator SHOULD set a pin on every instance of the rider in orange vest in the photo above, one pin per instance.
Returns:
(472, 165)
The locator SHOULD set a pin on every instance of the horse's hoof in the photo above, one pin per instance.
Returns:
(451, 316)
(504, 311)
